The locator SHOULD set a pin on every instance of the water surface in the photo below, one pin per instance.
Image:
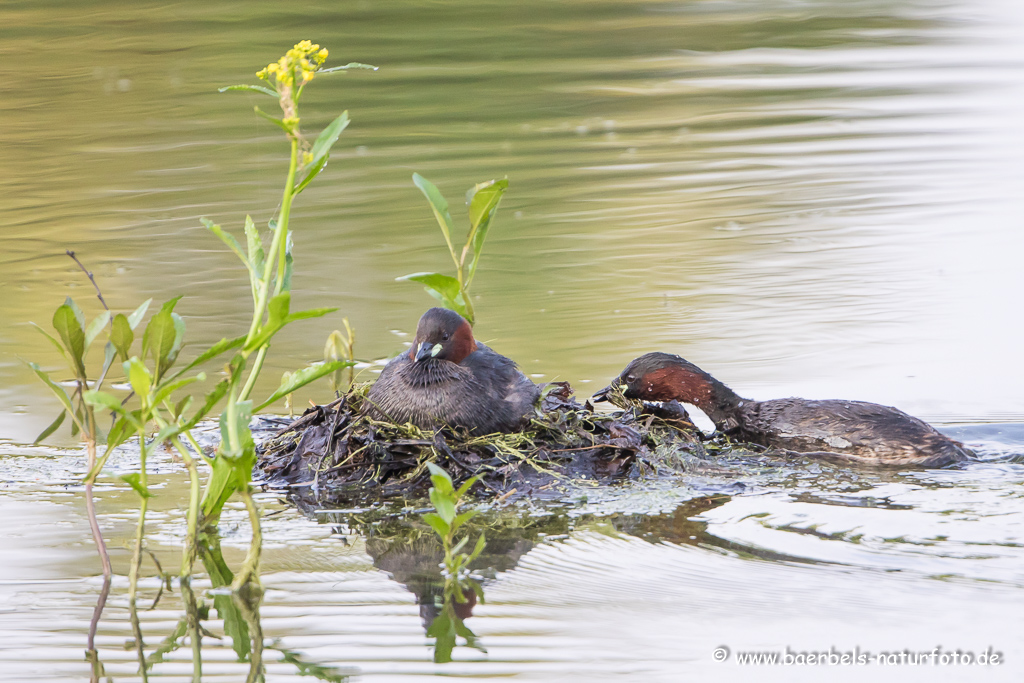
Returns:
(805, 198)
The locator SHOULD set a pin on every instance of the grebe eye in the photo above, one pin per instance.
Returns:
(444, 337)
(630, 378)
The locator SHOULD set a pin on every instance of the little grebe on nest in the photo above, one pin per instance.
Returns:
(449, 379)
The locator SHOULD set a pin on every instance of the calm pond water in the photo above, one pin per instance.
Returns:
(805, 198)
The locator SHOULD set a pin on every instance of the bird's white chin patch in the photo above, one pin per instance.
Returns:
(699, 418)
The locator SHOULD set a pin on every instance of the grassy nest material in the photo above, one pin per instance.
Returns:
(339, 447)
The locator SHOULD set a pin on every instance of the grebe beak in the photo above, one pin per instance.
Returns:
(427, 350)
(603, 394)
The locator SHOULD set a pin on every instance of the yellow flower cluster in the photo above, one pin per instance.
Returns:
(301, 63)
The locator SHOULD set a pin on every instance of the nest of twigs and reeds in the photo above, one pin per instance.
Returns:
(337, 446)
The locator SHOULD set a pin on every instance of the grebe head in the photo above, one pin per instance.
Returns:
(444, 335)
(664, 377)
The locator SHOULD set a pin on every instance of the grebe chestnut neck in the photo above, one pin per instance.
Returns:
(846, 431)
(449, 379)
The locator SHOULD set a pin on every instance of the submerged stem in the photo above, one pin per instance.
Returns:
(248, 604)
(90, 648)
(90, 506)
(133, 573)
(188, 558)
(194, 629)
(140, 646)
(251, 567)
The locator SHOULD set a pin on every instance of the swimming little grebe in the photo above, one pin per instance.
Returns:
(851, 431)
(449, 379)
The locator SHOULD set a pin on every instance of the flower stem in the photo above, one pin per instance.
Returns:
(278, 252)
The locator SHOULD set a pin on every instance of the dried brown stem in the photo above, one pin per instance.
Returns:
(99, 294)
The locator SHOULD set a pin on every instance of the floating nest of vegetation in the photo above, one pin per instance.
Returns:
(338, 447)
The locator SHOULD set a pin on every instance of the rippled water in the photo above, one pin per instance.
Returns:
(805, 198)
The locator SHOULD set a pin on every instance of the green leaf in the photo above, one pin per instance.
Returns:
(462, 630)
(440, 479)
(256, 256)
(121, 336)
(460, 545)
(166, 433)
(228, 239)
(98, 323)
(212, 352)
(276, 121)
(133, 481)
(277, 311)
(278, 317)
(67, 320)
(350, 65)
(328, 136)
(109, 353)
(181, 406)
(483, 202)
(446, 285)
(119, 433)
(254, 243)
(179, 338)
(222, 483)
(242, 417)
(139, 377)
(314, 171)
(52, 428)
(463, 518)
(301, 378)
(56, 344)
(136, 317)
(481, 543)
(439, 526)
(466, 486)
(79, 422)
(101, 399)
(289, 260)
(443, 630)
(167, 388)
(278, 308)
(439, 205)
(211, 400)
(163, 337)
(250, 88)
(444, 288)
(444, 505)
(57, 390)
(479, 592)
(235, 626)
(309, 313)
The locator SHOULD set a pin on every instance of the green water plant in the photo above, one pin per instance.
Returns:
(74, 341)
(270, 274)
(155, 412)
(446, 521)
(482, 200)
